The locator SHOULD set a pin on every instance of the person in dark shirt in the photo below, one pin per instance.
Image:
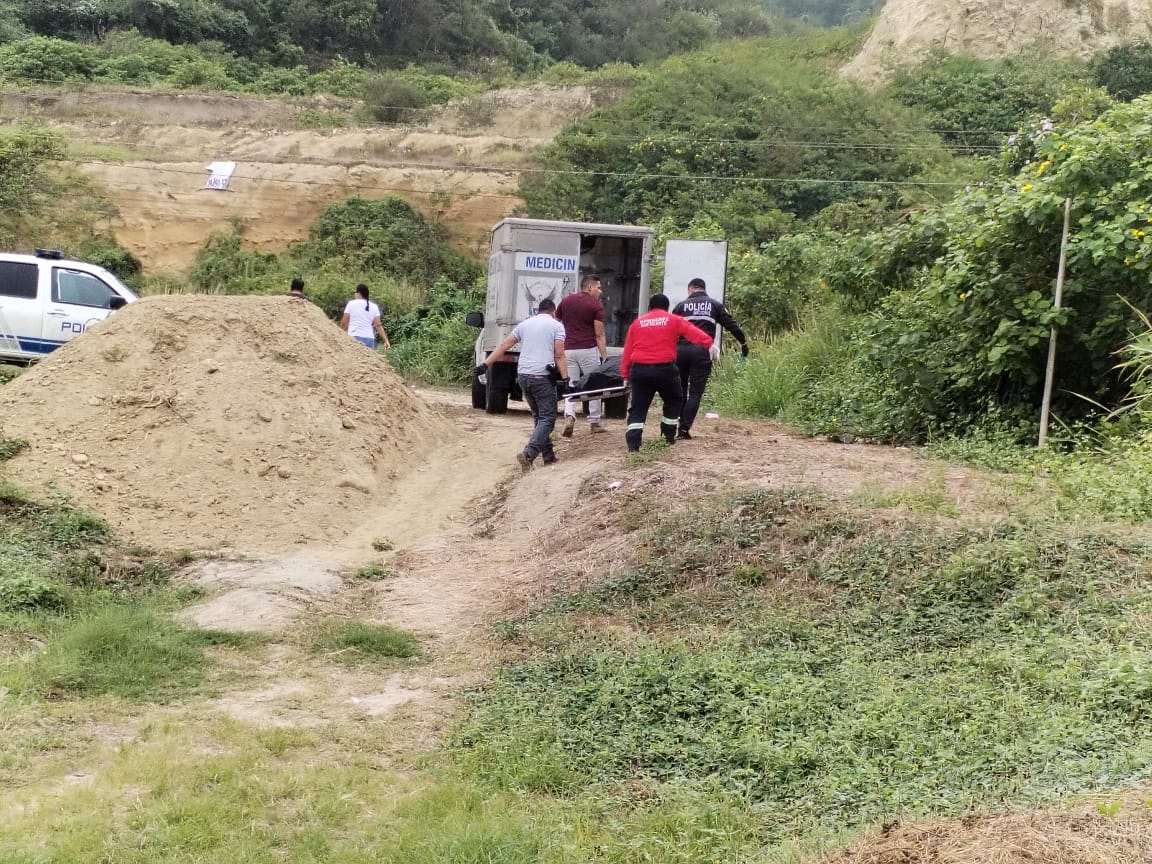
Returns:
(695, 361)
(297, 289)
(586, 347)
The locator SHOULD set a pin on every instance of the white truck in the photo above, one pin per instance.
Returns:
(534, 259)
(47, 300)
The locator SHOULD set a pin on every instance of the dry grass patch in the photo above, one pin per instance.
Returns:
(1112, 833)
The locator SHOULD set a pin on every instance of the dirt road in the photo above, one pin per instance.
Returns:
(474, 541)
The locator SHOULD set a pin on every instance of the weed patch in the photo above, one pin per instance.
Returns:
(134, 653)
(831, 667)
(358, 640)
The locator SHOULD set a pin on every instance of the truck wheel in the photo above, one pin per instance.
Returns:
(497, 400)
(479, 393)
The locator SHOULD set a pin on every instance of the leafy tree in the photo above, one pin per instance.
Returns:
(25, 153)
(966, 329)
(388, 236)
(979, 102)
(752, 135)
(1125, 71)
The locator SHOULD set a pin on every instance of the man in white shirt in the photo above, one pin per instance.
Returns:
(541, 341)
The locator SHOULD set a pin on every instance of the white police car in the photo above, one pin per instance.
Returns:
(46, 299)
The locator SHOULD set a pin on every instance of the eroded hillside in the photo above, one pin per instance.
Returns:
(907, 29)
(149, 152)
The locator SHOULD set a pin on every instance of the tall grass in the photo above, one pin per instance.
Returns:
(777, 372)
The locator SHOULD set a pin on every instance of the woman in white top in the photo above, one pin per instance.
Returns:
(361, 317)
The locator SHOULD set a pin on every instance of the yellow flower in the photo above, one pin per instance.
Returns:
(1042, 167)
(1137, 233)
(1027, 187)
(1127, 261)
(965, 295)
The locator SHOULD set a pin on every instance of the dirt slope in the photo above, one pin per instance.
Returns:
(201, 422)
(149, 152)
(907, 29)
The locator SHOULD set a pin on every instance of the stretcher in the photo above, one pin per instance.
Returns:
(603, 393)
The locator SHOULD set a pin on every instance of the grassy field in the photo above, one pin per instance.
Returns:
(779, 672)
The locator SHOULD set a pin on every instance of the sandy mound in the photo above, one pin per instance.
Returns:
(907, 29)
(1118, 832)
(249, 422)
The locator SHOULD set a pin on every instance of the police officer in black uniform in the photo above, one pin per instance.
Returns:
(694, 362)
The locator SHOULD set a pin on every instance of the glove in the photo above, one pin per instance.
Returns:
(744, 350)
(714, 352)
(482, 369)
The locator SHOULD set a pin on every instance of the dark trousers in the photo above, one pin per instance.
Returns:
(540, 394)
(695, 366)
(648, 379)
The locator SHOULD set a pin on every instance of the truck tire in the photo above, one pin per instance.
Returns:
(479, 393)
(497, 402)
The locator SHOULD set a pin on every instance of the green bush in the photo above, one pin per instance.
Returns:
(1125, 71)
(433, 344)
(37, 59)
(884, 668)
(28, 593)
(979, 102)
(778, 372)
(391, 98)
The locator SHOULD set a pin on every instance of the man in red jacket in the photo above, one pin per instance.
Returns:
(649, 363)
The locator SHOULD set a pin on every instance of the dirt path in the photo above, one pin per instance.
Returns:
(475, 540)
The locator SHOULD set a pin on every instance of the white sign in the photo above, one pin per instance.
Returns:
(546, 262)
(685, 260)
(220, 175)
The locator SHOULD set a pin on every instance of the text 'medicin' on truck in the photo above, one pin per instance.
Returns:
(534, 259)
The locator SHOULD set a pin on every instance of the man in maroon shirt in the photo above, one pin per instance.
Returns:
(582, 315)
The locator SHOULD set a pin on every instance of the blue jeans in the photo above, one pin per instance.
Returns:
(370, 341)
(540, 394)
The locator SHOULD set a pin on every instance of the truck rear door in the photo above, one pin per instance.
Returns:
(21, 310)
(546, 264)
(77, 300)
(685, 260)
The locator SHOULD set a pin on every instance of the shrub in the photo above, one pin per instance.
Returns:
(29, 594)
(39, 58)
(390, 98)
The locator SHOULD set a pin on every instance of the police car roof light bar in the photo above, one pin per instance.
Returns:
(51, 254)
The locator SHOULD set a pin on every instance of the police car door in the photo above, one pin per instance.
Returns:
(78, 299)
(21, 311)
(685, 260)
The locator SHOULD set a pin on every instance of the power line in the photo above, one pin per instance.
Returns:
(495, 169)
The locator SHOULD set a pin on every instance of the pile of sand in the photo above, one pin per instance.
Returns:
(201, 422)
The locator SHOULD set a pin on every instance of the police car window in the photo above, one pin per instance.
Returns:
(18, 280)
(80, 289)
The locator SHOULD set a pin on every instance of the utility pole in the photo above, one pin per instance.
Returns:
(1046, 402)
